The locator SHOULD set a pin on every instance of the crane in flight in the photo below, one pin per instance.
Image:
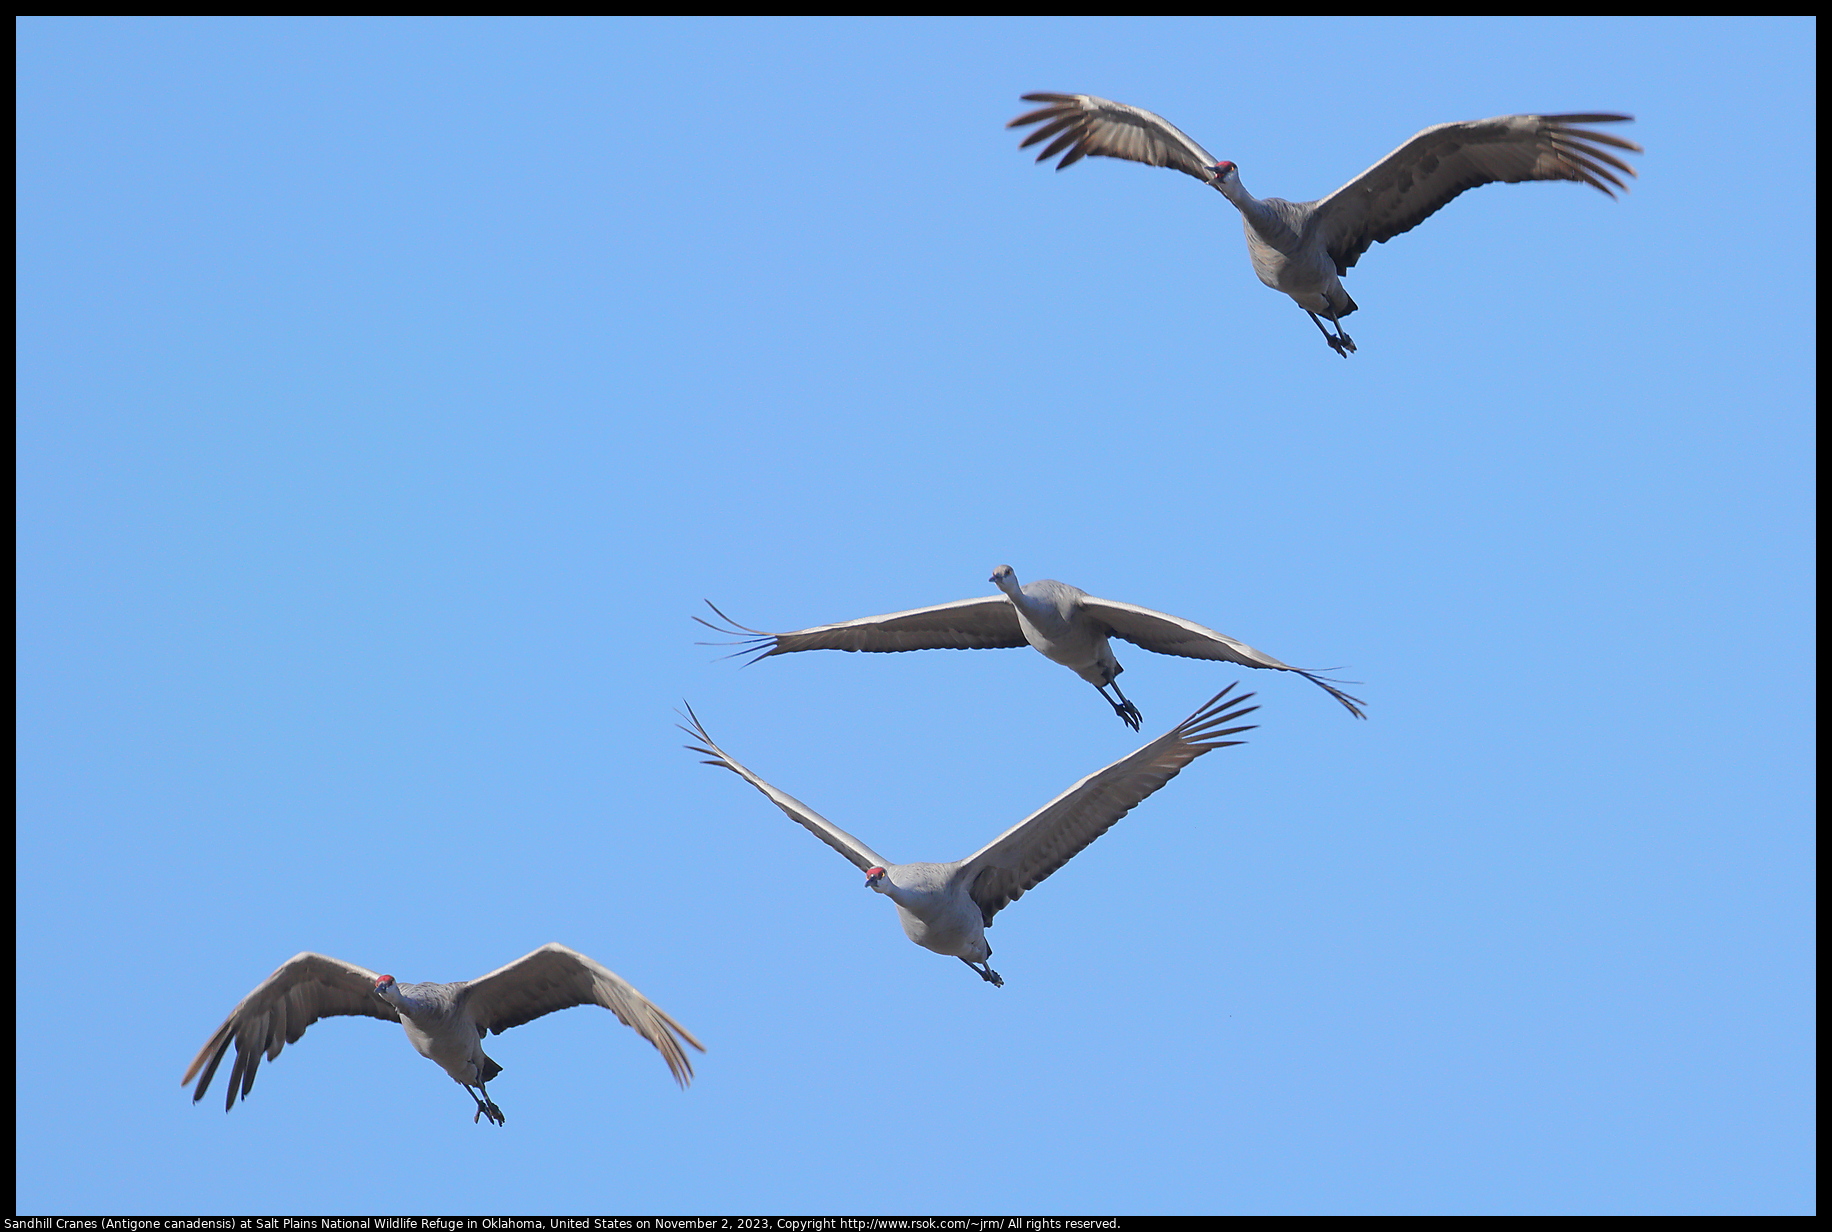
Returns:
(948, 907)
(1303, 248)
(446, 1023)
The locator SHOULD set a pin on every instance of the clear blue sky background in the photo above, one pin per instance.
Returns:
(393, 392)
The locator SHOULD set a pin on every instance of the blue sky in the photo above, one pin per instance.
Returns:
(391, 393)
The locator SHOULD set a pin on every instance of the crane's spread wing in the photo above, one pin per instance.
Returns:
(307, 987)
(988, 623)
(556, 977)
(825, 830)
(1083, 125)
(1411, 184)
(1018, 859)
(1172, 635)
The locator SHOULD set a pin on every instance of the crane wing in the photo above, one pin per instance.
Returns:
(306, 987)
(988, 623)
(1414, 182)
(819, 826)
(1083, 124)
(556, 977)
(1018, 859)
(1172, 635)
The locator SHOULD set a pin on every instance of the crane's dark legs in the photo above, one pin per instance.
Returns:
(1339, 342)
(486, 1107)
(1125, 709)
(985, 973)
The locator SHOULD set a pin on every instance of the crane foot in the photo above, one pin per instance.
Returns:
(1129, 713)
(486, 1107)
(985, 973)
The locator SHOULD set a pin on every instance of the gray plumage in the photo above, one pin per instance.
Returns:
(1065, 624)
(446, 1023)
(948, 907)
(1304, 247)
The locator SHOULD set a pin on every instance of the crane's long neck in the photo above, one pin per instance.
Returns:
(1034, 610)
(1266, 219)
(1008, 582)
(411, 1007)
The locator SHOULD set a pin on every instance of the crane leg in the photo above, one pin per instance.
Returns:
(985, 973)
(486, 1107)
(1128, 712)
(1339, 342)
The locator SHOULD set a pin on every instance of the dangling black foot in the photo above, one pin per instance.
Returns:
(1128, 712)
(1339, 342)
(985, 973)
(486, 1107)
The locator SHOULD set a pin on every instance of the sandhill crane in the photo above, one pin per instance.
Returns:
(1069, 626)
(948, 907)
(446, 1023)
(1304, 247)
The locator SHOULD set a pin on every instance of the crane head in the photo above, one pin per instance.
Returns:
(384, 981)
(873, 877)
(1224, 171)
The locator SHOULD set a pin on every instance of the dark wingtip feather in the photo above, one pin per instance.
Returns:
(1589, 117)
(751, 639)
(1031, 117)
(1581, 149)
(203, 1084)
(1592, 173)
(728, 620)
(1583, 176)
(254, 1062)
(1598, 158)
(1591, 134)
(1350, 702)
